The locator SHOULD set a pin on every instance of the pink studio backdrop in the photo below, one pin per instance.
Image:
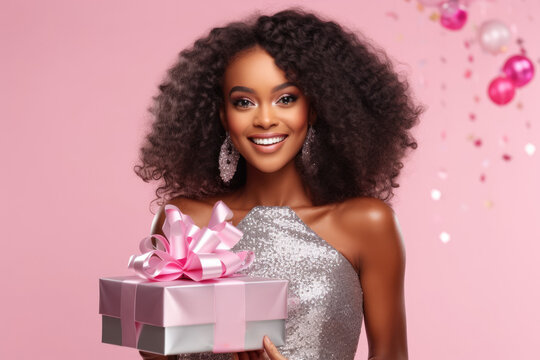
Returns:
(77, 77)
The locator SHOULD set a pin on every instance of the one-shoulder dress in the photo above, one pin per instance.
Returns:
(325, 299)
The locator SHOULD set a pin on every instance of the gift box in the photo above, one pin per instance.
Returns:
(184, 316)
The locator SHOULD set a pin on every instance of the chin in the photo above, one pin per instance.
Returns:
(271, 167)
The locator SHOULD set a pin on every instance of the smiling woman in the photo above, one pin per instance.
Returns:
(300, 128)
(265, 115)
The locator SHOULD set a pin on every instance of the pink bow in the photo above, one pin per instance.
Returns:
(189, 251)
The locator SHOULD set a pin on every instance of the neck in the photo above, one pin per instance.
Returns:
(281, 188)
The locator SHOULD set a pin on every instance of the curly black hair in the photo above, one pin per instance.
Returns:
(363, 108)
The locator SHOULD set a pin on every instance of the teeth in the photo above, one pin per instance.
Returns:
(268, 141)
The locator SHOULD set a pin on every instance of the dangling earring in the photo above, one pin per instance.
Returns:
(228, 160)
(306, 148)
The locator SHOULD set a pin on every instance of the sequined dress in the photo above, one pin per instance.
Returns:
(325, 300)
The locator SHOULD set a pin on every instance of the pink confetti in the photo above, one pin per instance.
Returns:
(443, 60)
(478, 142)
(443, 86)
(482, 177)
(528, 124)
(476, 98)
(443, 135)
(467, 44)
(467, 74)
(392, 15)
(506, 157)
(470, 58)
(472, 116)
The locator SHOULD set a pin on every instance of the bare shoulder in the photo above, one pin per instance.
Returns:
(199, 210)
(371, 229)
(367, 215)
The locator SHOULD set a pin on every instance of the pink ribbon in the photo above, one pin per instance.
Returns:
(189, 251)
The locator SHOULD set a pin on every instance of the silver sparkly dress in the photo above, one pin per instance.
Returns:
(325, 298)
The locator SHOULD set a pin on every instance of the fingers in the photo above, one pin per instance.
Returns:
(250, 355)
(271, 349)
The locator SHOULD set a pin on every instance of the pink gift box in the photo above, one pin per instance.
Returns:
(184, 316)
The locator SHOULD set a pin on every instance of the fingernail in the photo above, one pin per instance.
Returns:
(266, 339)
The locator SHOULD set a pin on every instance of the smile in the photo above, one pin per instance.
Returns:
(268, 141)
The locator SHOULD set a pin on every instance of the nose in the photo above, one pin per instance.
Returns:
(265, 117)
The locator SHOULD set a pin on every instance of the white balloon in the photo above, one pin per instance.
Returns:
(493, 36)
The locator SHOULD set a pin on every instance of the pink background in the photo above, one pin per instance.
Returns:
(77, 77)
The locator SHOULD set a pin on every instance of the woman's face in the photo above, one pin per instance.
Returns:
(265, 115)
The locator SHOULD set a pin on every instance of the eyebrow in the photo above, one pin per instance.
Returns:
(250, 90)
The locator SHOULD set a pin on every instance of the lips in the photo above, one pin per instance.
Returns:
(267, 143)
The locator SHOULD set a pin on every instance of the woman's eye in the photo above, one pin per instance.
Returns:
(287, 99)
(242, 103)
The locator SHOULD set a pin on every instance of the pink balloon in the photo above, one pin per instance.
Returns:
(501, 90)
(430, 2)
(519, 69)
(453, 15)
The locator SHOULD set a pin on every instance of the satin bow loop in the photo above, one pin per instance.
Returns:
(189, 251)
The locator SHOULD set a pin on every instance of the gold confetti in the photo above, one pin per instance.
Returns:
(435, 16)
(488, 204)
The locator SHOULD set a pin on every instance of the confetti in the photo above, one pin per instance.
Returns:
(470, 58)
(472, 116)
(443, 134)
(519, 105)
(488, 204)
(435, 194)
(419, 7)
(443, 60)
(467, 44)
(476, 98)
(445, 237)
(506, 157)
(435, 16)
(467, 74)
(482, 177)
(503, 141)
(478, 142)
(530, 149)
(442, 174)
(392, 15)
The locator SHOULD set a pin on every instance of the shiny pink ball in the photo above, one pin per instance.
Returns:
(453, 15)
(501, 90)
(519, 69)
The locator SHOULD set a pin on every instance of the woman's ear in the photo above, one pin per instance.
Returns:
(223, 118)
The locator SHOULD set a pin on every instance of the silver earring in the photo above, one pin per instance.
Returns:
(306, 148)
(228, 160)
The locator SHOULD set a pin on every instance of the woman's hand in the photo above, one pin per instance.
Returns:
(270, 352)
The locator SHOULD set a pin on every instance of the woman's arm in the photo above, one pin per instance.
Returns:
(382, 268)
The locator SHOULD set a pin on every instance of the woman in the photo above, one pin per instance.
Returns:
(300, 128)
